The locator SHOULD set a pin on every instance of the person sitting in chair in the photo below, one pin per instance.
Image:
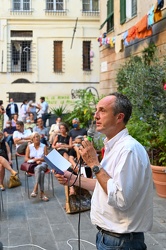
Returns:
(21, 137)
(5, 160)
(36, 151)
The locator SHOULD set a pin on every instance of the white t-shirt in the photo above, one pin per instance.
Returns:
(128, 207)
(18, 134)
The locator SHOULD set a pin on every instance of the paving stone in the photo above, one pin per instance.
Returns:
(28, 222)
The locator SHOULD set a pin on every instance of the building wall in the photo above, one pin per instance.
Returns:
(111, 61)
(47, 28)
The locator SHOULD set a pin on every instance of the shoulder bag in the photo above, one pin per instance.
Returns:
(28, 167)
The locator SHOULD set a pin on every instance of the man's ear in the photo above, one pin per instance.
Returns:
(120, 117)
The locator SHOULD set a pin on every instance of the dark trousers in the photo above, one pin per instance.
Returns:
(44, 118)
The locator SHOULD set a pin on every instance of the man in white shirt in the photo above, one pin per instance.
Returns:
(21, 137)
(44, 109)
(54, 130)
(122, 201)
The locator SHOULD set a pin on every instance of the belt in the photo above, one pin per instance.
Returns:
(117, 235)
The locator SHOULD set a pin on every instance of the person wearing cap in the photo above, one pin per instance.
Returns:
(73, 133)
(5, 160)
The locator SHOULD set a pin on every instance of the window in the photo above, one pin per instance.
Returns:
(86, 55)
(90, 5)
(21, 56)
(110, 16)
(21, 5)
(55, 5)
(131, 8)
(58, 56)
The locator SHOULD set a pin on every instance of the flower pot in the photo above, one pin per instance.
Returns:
(159, 179)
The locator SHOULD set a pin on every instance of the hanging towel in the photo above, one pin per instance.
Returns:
(157, 14)
(151, 17)
(142, 30)
(124, 37)
(131, 34)
(111, 43)
(118, 44)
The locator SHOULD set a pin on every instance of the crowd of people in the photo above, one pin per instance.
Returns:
(32, 139)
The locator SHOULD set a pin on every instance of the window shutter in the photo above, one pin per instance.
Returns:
(58, 56)
(122, 11)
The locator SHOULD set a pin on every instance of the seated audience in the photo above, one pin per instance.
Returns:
(76, 131)
(33, 108)
(29, 124)
(21, 137)
(31, 117)
(36, 151)
(62, 142)
(8, 134)
(23, 110)
(14, 120)
(5, 160)
(54, 130)
(43, 132)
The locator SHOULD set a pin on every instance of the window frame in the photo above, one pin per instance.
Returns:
(21, 62)
(54, 3)
(110, 16)
(86, 62)
(91, 7)
(21, 5)
(130, 13)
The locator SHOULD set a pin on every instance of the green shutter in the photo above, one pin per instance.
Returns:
(110, 16)
(122, 11)
(110, 7)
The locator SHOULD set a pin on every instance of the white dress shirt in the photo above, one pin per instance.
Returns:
(128, 207)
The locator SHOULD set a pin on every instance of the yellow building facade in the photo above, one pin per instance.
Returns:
(123, 33)
(48, 48)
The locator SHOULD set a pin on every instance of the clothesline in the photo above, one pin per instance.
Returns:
(142, 29)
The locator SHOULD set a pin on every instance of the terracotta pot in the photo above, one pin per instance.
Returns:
(159, 179)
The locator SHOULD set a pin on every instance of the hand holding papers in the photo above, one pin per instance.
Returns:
(57, 162)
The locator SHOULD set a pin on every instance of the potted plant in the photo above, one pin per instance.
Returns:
(142, 80)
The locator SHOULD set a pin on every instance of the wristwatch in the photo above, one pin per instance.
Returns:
(96, 169)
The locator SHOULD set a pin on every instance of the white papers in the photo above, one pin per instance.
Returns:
(57, 162)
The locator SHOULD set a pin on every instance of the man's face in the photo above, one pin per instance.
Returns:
(41, 100)
(8, 124)
(105, 119)
(40, 123)
(19, 128)
(76, 124)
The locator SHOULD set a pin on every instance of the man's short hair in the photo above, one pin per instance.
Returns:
(20, 123)
(42, 98)
(76, 119)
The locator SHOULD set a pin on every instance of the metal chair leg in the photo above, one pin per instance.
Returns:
(52, 181)
(17, 163)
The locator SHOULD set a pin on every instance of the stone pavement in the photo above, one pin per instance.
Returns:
(46, 225)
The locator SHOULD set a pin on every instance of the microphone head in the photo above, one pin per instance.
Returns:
(91, 132)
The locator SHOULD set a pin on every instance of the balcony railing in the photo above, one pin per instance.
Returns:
(21, 12)
(90, 13)
(56, 12)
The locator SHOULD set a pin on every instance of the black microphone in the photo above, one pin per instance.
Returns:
(90, 134)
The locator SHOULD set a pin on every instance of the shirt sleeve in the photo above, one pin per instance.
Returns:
(128, 178)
